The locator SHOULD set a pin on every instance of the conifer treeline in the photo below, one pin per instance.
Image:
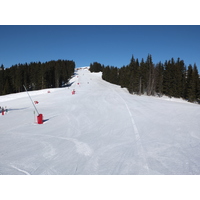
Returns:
(35, 76)
(171, 78)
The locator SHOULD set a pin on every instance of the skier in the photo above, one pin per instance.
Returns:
(2, 110)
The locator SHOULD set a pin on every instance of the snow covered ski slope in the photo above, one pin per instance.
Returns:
(101, 129)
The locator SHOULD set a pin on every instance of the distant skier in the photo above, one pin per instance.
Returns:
(2, 111)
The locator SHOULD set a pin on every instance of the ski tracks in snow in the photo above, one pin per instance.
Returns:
(20, 170)
(137, 136)
(81, 147)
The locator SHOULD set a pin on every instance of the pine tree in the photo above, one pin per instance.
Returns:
(151, 76)
(193, 87)
(159, 78)
(134, 76)
(181, 78)
(96, 67)
(123, 80)
(1, 79)
(168, 79)
(190, 94)
(7, 88)
(143, 77)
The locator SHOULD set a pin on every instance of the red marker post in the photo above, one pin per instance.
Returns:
(73, 92)
(40, 119)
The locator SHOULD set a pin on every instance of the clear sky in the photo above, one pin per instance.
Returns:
(106, 44)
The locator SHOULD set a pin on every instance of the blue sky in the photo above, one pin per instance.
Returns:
(108, 45)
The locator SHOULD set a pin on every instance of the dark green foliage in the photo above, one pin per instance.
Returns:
(7, 83)
(171, 78)
(96, 67)
(110, 74)
(150, 76)
(174, 78)
(192, 84)
(2, 79)
(159, 70)
(35, 76)
(133, 74)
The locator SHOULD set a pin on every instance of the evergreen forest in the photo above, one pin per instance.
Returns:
(35, 76)
(171, 78)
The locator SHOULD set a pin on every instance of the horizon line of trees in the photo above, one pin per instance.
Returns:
(35, 76)
(171, 78)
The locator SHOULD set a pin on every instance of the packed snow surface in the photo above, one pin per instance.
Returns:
(101, 129)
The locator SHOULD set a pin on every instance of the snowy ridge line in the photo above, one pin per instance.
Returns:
(137, 135)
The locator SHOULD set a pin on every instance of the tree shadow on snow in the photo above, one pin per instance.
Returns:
(68, 84)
